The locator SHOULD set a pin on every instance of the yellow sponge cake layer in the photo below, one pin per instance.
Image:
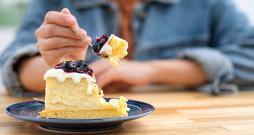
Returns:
(119, 49)
(67, 95)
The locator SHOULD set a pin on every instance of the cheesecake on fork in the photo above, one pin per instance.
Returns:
(110, 48)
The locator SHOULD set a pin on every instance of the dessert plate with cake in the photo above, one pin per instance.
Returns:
(28, 111)
(75, 103)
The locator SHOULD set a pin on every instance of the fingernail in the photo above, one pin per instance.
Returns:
(71, 20)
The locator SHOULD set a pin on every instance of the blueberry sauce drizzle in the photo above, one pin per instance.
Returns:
(98, 44)
(78, 66)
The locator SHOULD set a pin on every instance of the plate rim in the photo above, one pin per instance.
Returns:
(80, 121)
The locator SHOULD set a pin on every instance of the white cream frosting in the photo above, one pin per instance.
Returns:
(107, 49)
(61, 76)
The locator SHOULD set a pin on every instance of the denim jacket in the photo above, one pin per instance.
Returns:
(210, 32)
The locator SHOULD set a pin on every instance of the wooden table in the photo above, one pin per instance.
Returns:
(176, 113)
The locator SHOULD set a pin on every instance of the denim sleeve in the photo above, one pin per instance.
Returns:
(230, 58)
(24, 45)
(213, 62)
(217, 67)
(234, 37)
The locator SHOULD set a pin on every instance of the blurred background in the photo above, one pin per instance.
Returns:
(11, 12)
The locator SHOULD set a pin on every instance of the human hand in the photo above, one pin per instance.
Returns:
(127, 71)
(57, 42)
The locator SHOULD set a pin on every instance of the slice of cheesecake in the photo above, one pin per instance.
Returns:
(110, 48)
(71, 93)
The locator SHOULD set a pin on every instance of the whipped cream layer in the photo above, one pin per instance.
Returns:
(107, 49)
(61, 76)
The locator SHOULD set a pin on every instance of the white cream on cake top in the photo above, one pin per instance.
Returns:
(107, 49)
(61, 76)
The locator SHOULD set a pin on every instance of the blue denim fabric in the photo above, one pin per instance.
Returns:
(211, 32)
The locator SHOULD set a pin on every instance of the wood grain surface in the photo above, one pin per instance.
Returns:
(176, 113)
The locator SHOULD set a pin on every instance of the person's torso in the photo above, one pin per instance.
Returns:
(161, 28)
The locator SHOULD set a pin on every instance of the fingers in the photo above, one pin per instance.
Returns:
(100, 66)
(66, 51)
(129, 72)
(77, 56)
(54, 17)
(59, 42)
(55, 56)
(53, 30)
(106, 77)
(67, 11)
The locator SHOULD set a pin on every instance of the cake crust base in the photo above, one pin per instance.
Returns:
(83, 114)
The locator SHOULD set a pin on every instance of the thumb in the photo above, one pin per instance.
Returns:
(66, 11)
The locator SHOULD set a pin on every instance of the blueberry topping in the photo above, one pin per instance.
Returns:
(68, 65)
(78, 66)
(96, 46)
(99, 43)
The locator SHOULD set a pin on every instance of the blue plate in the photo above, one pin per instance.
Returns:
(28, 111)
